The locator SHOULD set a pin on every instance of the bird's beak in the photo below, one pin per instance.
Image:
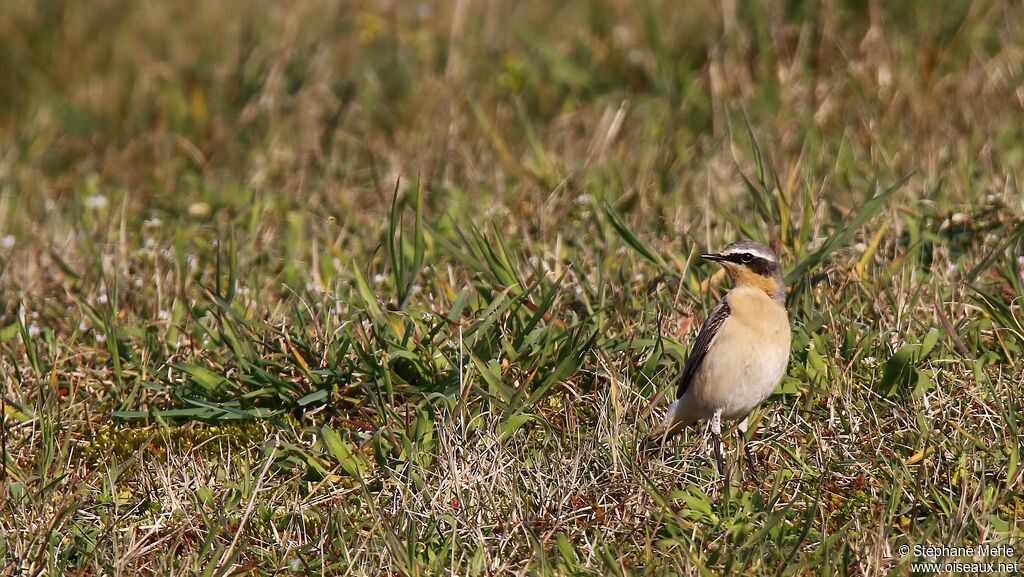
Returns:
(713, 257)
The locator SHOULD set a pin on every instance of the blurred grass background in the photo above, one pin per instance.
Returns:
(391, 287)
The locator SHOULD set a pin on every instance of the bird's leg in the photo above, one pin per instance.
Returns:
(742, 428)
(716, 435)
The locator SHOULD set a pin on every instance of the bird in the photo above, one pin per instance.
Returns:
(741, 352)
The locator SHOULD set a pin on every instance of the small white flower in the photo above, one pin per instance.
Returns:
(295, 564)
(102, 299)
(533, 260)
(416, 289)
(152, 223)
(379, 278)
(96, 202)
(583, 199)
(163, 315)
(101, 338)
(83, 327)
(1020, 260)
(33, 331)
(7, 242)
(869, 361)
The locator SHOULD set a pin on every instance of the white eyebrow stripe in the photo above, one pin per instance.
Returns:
(754, 251)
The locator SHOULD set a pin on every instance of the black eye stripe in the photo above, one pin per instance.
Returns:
(742, 258)
(758, 264)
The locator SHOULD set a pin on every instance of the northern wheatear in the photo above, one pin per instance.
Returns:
(741, 351)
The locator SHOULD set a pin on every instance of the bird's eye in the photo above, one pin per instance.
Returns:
(746, 257)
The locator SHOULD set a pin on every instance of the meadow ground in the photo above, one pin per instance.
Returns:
(392, 288)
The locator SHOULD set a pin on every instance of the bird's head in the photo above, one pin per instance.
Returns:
(752, 264)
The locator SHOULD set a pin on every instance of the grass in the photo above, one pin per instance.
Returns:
(397, 288)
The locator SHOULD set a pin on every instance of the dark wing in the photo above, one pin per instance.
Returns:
(700, 348)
